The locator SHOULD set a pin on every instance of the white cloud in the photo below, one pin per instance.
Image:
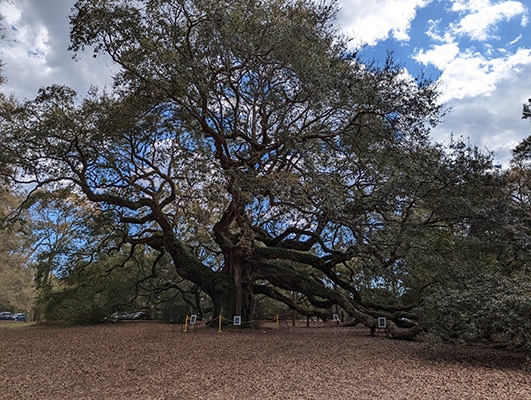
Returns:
(472, 74)
(480, 23)
(440, 56)
(35, 50)
(478, 20)
(27, 45)
(368, 22)
(491, 122)
(516, 40)
(483, 80)
(467, 72)
(469, 5)
(20, 35)
(468, 75)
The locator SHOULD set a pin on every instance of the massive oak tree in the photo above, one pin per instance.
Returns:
(245, 141)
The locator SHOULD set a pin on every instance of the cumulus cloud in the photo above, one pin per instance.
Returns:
(368, 22)
(35, 51)
(466, 71)
(471, 74)
(491, 122)
(481, 21)
(440, 56)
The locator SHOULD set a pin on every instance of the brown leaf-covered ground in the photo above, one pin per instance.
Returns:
(148, 360)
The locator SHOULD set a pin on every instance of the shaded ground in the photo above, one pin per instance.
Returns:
(146, 360)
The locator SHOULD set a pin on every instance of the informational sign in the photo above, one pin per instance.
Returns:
(237, 320)
(382, 323)
(193, 319)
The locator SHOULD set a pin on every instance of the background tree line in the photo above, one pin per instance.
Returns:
(246, 161)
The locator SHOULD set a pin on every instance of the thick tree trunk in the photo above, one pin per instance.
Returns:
(219, 286)
(243, 285)
(229, 235)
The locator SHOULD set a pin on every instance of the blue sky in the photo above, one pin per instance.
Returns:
(479, 51)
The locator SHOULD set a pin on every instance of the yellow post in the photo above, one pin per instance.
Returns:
(186, 324)
(277, 321)
(219, 325)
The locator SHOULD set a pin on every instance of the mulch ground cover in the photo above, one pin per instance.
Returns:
(148, 360)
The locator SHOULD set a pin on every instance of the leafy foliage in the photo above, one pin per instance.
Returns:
(526, 113)
(92, 293)
(244, 142)
(17, 288)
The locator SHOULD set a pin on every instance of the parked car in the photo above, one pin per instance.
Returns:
(20, 317)
(6, 315)
(126, 316)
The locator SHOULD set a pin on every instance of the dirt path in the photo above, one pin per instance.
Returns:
(153, 361)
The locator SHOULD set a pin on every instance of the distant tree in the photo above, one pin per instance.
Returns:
(17, 288)
(244, 141)
(84, 270)
(130, 282)
(526, 113)
(483, 291)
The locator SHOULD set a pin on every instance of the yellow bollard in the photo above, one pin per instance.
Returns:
(219, 326)
(186, 324)
(277, 321)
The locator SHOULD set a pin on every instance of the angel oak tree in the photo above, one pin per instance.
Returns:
(246, 141)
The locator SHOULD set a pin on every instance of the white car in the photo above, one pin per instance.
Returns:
(5, 315)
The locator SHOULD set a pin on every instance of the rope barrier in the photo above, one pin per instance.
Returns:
(190, 321)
